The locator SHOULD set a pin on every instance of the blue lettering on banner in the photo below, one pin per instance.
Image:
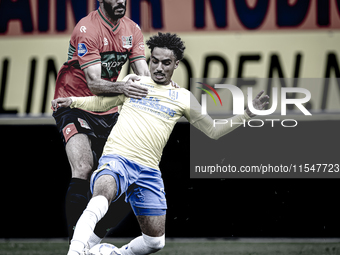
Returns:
(156, 12)
(291, 15)
(79, 8)
(19, 10)
(251, 18)
(82, 50)
(153, 103)
(219, 9)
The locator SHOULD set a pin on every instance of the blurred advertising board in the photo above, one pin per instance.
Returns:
(224, 38)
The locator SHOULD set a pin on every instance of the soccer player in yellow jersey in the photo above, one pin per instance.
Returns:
(131, 156)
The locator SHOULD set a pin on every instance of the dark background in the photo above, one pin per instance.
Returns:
(35, 175)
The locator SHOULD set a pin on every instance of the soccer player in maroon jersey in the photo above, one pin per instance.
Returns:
(100, 45)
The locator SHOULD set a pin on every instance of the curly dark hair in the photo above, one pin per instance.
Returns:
(167, 40)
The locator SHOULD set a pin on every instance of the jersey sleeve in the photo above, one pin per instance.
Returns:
(192, 111)
(137, 52)
(86, 44)
(206, 124)
(97, 103)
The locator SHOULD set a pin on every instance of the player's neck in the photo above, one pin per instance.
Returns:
(113, 21)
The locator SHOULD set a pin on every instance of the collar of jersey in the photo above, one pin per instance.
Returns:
(107, 22)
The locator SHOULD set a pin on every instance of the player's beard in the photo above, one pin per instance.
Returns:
(111, 11)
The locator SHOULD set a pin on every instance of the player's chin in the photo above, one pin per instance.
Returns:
(120, 13)
(160, 79)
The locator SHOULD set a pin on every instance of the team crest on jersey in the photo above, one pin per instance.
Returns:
(82, 50)
(83, 123)
(173, 94)
(127, 41)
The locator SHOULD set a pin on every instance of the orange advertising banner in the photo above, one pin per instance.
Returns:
(57, 17)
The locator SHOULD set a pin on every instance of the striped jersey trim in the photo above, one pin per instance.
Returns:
(90, 63)
(113, 30)
(71, 50)
(137, 58)
(107, 21)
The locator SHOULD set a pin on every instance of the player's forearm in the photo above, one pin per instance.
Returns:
(102, 87)
(94, 103)
(215, 129)
(140, 68)
(144, 72)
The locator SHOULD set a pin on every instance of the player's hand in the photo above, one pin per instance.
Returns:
(132, 89)
(174, 84)
(61, 102)
(259, 103)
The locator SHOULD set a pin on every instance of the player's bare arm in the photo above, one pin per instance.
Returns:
(99, 86)
(140, 67)
(259, 103)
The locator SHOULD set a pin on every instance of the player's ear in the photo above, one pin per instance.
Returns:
(176, 64)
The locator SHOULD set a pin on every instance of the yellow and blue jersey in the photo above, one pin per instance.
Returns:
(144, 125)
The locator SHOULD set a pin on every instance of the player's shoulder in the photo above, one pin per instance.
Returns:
(183, 95)
(141, 78)
(183, 91)
(130, 24)
(87, 25)
(186, 93)
(127, 77)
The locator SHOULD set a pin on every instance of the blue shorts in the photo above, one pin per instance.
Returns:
(143, 186)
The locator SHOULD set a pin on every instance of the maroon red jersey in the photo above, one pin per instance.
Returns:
(95, 40)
